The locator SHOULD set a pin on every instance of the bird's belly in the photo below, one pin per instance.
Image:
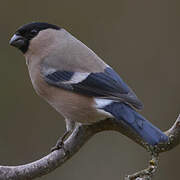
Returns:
(70, 105)
(76, 107)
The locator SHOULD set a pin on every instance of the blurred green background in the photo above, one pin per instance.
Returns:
(139, 38)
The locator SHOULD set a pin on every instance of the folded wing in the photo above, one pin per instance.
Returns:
(106, 85)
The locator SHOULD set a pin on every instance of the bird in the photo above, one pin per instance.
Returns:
(75, 81)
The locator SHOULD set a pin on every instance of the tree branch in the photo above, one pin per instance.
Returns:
(78, 138)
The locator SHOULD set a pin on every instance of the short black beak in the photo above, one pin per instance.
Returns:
(17, 41)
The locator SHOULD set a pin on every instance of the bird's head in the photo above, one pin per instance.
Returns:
(26, 33)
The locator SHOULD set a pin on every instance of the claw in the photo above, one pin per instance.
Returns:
(59, 145)
(55, 148)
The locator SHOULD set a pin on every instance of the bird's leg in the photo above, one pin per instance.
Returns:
(60, 142)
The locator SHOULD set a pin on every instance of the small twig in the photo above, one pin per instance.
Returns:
(147, 173)
(174, 139)
(78, 138)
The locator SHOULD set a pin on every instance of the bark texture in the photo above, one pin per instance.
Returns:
(80, 135)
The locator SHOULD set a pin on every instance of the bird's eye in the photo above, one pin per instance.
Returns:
(33, 32)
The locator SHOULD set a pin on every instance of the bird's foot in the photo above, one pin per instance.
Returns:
(59, 145)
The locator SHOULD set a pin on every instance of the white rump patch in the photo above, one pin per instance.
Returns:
(101, 103)
(104, 113)
(77, 78)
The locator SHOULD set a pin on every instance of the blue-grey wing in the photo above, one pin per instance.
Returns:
(107, 84)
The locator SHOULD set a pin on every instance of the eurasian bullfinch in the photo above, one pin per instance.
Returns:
(77, 82)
